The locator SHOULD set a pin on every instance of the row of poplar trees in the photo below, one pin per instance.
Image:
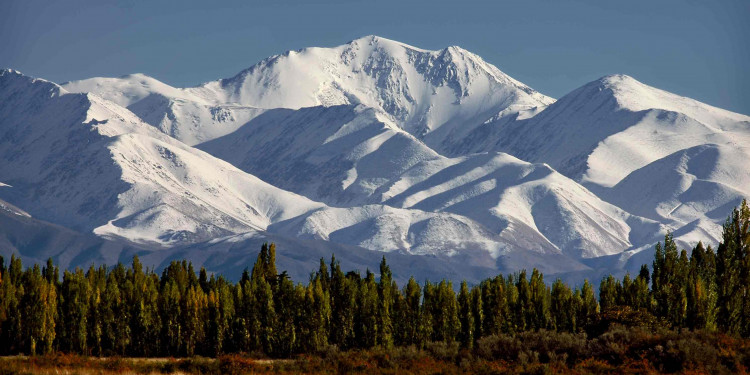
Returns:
(135, 312)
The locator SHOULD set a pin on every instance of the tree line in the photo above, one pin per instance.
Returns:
(132, 311)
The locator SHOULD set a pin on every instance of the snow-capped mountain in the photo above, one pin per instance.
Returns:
(349, 156)
(179, 113)
(89, 164)
(436, 157)
(651, 152)
(437, 96)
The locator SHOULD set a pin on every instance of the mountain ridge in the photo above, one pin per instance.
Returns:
(380, 145)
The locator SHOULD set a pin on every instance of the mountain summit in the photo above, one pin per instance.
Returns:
(437, 96)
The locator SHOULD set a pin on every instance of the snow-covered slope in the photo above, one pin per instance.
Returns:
(339, 155)
(35, 241)
(692, 189)
(608, 128)
(179, 113)
(87, 163)
(348, 156)
(437, 96)
(91, 165)
(652, 153)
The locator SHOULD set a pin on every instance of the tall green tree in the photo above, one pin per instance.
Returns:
(344, 292)
(669, 279)
(410, 316)
(38, 305)
(562, 307)
(286, 309)
(539, 296)
(733, 272)
(74, 313)
(385, 306)
(495, 306)
(366, 326)
(428, 309)
(445, 314)
(586, 305)
(465, 317)
(477, 310)
(701, 290)
(608, 293)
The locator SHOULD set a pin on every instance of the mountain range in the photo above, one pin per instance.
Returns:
(436, 158)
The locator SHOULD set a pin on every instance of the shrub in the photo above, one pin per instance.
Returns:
(234, 364)
(443, 351)
(498, 347)
(555, 345)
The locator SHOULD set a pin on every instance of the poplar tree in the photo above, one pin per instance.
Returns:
(465, 317)
(74, 317)
(411, 313)
(366, 326)
(445, 313)
(429, 306)
(562, 308)
(318, 316)
(540, 299)
(10, 324)
(494, 305)
(385, 306)
(477, 310)
(344, 293)
(587, 307)
(172, 318)
(523, 307)
(732, 273)
(608, 297)
(39, 305)
(264, 323)
(286, 305)
(701, 290)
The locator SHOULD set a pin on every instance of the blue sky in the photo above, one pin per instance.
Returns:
(699, 49)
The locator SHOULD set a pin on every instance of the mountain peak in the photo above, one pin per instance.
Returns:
(137, 76)
(419, 89)
(382, 42)
(634, 95)
(617, 78)
(13, 78)
(9, 71)
(621, 83)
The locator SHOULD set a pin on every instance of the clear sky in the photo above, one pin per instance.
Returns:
(695, 48)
